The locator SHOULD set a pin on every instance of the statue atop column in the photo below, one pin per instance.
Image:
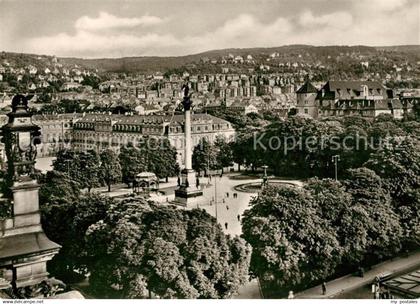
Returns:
(186, 102)
(187, 190)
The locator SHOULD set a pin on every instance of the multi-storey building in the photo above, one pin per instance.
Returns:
(102, 131)
(343, 98)
(56, 132)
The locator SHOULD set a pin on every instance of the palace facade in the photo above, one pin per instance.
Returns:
(105, 131)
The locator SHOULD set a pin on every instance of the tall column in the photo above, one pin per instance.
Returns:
(188, 147)
(189, 187)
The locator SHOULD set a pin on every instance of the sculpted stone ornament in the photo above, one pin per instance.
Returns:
(20, 137)
(24, 247)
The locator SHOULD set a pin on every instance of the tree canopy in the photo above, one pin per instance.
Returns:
(133, 247)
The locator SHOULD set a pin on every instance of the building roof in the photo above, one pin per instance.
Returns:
(408, 284)
(352, 84)
(149, 119)
(307, 88)
(350, 89)
(63, 116)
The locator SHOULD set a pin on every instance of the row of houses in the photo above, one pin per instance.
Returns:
(343, 98)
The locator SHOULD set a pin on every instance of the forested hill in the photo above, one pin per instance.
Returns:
(292, 53)
(212, 61)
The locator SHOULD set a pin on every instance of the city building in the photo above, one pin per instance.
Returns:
(102, 131)
(306, 100)
(343, 98)
(243, 107)
(56, 132)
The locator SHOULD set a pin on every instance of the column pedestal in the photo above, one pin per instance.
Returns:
(24, 247)
(188, 190)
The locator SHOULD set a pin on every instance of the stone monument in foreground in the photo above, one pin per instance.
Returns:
(189, 188)
(24, 247)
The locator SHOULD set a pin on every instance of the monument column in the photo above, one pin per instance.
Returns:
(188, 145)
(189, 189)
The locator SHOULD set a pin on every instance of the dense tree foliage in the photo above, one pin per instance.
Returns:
(303, 147)
(292, 244)
(65, 217)
(224, 156)
(204, 157)
(110, 168)
(133, 248)
(304, 236)
(153, 155)
(398, 164)
(213, 156)
(83, 167)
(140, 247)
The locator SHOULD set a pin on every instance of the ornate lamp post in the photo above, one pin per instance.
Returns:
(188, 190)
(335, 160)
(24, 248)
(265, 177)
(20, 137)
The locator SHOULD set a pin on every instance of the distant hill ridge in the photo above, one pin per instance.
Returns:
(156, 63)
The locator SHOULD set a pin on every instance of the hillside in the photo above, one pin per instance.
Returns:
(307, 55)
(150, 64)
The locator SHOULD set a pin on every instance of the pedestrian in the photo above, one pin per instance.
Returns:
(223, 200)
(226, 225)
(361, 272)
(227, 194)
(239, 218)
(227, 207)
(324, 288)
(291, 295)
(235, 195)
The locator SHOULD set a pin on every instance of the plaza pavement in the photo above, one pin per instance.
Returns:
(395, 266)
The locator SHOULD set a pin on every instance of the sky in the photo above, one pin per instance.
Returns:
(119, 28)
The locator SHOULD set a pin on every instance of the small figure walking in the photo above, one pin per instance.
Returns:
(324, 288)
(291, 295)
(226, 225)
(227, 207)
(227, 194)
(239, 218)
(235, 195)
(223, 200)
(361, 272)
